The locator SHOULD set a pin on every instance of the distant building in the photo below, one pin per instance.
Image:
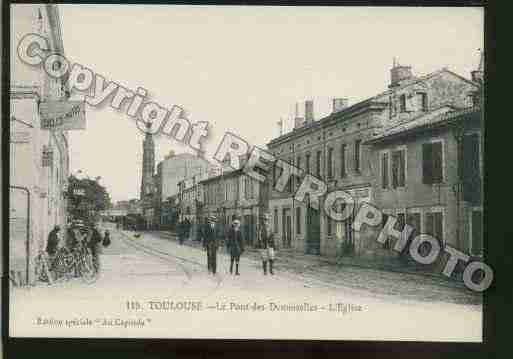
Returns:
(170, 172)
(334, 149)
(232, 195)
(177, 167)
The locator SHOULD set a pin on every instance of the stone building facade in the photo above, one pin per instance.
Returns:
(335, 150)
(39, 158)
(437, 189)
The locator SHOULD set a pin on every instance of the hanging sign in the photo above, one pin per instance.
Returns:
(62, 115)
(20, 136)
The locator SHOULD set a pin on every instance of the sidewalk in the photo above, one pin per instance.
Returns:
(299, 261)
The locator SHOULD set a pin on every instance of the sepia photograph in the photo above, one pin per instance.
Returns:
(246, 172)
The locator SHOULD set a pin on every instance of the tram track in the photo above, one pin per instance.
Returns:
(168, 257)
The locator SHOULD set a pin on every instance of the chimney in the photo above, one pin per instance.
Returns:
(478, 74)
(298, 121)
(339, 104)
(309, 111)
(399, 73)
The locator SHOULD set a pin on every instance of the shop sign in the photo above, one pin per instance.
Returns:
(20, 136)
(62, 115)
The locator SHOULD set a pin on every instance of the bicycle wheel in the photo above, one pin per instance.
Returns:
(86, 268)
(63, 264)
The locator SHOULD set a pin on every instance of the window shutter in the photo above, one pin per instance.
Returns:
(401, 168)
(438, 230)
(477, 234)
(427, 153)
(342, 160)
(430, 224)
(437, 162)
(384, 170)
(395, 169)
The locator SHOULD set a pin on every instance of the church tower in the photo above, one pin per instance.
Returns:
(148, 164)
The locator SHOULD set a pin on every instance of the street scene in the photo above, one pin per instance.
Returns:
(283, 214)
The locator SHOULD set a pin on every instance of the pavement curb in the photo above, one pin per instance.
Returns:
(340, 262)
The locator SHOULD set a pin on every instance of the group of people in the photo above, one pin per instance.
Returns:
(235, 245)
(79, 235)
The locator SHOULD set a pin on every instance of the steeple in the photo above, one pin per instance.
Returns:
(148, 164)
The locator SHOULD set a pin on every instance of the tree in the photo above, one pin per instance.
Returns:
(86, 198)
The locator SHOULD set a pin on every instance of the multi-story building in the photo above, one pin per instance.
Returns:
(232, 195)
(429, 175)
(39, 157)
(334, 150)
(177, 167)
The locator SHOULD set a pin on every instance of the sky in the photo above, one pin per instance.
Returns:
(243, 68)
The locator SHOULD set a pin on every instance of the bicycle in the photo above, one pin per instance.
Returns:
(66, 264)
(84, 263)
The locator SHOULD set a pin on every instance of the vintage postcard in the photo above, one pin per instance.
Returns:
(256, 172)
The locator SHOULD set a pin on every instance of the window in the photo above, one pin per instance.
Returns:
(307, 164)
(329, 226)
(384, 169)
(330, 163)
(470, 171)
(343, 160)
(276, 220)
(357, 146)
(348, 229)
(398, 168)
(434, 225)
(298, 163)
(402, 103)
(475, 98)
(401, 221)
(298, 220)
(423, 101)
(274, 173)
(290, 183)
(384, 219)
(476, 232)
(248, 187)
(318, 164)
(432, 162)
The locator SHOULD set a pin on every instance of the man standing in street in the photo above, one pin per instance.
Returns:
(210, 244)
(235, 245)
(180, 231)
(266, 244)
